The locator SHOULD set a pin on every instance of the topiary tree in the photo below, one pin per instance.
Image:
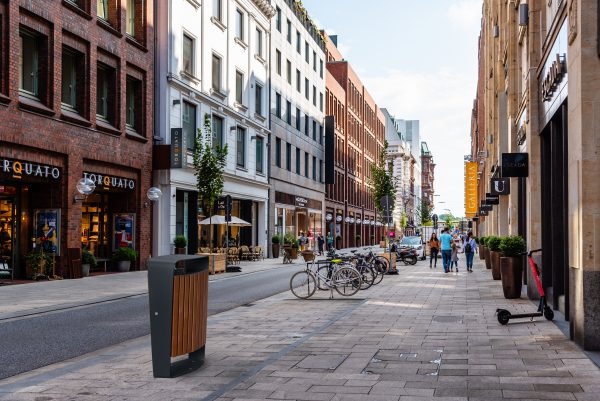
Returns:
(493, 242)
(513, 246)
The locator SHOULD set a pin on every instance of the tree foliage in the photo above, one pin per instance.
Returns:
(424, 211)
(209, 164)
(382, 181)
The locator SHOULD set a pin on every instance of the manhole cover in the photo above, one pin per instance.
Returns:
(447, 319)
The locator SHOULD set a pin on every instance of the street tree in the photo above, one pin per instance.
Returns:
(382, 182)
(209, 164)
(424, 211)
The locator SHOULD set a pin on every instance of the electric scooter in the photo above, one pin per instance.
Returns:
(543, 309)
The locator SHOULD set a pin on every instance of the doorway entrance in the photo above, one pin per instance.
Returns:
(8, 226)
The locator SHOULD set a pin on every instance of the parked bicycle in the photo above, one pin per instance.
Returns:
(338, 275)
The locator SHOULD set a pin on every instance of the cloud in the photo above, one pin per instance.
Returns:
(442, 101)
(465, 14)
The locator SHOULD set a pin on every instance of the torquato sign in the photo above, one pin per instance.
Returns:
(18, 169)
(554, 76)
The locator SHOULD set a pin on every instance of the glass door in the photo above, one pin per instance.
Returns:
(8, 229)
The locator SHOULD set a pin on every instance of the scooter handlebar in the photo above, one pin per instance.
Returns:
(533, 251)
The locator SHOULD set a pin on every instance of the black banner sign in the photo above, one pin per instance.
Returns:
(515, 164)
(492, 199)
(176, 147)
(500, 186)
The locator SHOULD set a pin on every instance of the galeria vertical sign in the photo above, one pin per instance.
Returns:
(471, 200)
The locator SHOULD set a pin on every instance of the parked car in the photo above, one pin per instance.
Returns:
(416, 243)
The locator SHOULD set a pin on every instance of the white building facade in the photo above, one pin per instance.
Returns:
(212, 64)
(297, 168)
(411, 132)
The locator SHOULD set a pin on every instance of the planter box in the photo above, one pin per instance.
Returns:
(495, 260)
(488, 260)
(482, 252)
(512, 273)
(220, 262)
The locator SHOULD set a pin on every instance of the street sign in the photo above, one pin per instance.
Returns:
(486, 207)
(492, 199)
(515, 164)
(500, 186)
(483, 212)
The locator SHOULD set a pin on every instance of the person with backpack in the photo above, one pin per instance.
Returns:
(446, 247)
(470, 249)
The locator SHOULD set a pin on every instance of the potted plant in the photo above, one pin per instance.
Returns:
(357, 240)
(294, 249)
(511, 265)
(487, 255)
(180, 243)
(123, 258)
(481, 245)
(88, 261)
(275, 244)
(38, 264)
(495, 254)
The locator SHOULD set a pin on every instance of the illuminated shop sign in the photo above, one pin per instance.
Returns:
(19, 169)
(110, 182)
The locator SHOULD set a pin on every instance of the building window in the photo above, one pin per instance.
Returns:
(239, 24)
(30, 64)
(133, 105)
(314, 168)
(314, 129)
(216, 73)
(241, 147)
(258, 100)
(278, 61)
(106, 89)
(259, 154)
(217, 132)
(288, 112)
(298, 42)
(288, 157)
(73, 83)
(289, 72)
(278, 19)
(306, 125)
(306, 164)
(278, 152)
(321, 101)
(239, 87)
(103, 9)
(188, 118)
(315, 61)
(298, 119)
(321, 68)
(278, 105)
(130, 15)
(306, 52)
(298, 81)
(298, 169)
(320, 170)
(314, 96)
(306, 89)
(320, 134)
(259, 43)
(188, 54)
(289, 31)
(218, 9)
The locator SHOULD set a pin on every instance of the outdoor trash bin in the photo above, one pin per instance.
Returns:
(178, 296)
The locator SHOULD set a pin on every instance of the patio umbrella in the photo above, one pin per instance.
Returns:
(218, 219)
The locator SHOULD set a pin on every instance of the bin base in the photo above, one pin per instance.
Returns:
(183, 366)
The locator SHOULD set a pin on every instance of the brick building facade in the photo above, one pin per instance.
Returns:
(76, 82)
(360, 134)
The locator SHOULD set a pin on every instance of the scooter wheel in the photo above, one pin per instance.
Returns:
(503, 316)
(548, 313)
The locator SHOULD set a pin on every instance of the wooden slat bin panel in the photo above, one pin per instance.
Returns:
(190, 310)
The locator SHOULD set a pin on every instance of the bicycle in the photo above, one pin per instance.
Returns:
(345, 280)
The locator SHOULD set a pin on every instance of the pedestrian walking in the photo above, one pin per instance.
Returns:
(434, 249)
(302, 241)
(320, 242)
(446, 248)
(329, 241)
(470, 248)
(455, 246)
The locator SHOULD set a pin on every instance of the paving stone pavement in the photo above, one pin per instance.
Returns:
(421, 335)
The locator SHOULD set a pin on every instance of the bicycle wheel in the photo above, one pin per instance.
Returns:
(324, 272)
(379, 272)
(347, 281)
(367, 276)
(303, 284)
(410, 260)
(385, 265)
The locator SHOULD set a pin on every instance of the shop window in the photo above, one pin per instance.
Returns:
(298, 161)
(288, 157)
(278, 105)
(306, 164)
(134, 98)
(188, 55)
(241, 147)
(239, 24)
(278, 152)
(259, 154)
(288, 112)
(188, 117)
(135, 16)
(106, 93)
(258, 101)
(216, 73)
(73, 85)
(217, 131)
(239, 87)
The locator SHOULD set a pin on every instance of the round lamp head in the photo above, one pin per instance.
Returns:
(154, 194)
(85, 186)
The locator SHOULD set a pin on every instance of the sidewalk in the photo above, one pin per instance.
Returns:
(44, 296)
(421, 335)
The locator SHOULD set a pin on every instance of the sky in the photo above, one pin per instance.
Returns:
(418, 59)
